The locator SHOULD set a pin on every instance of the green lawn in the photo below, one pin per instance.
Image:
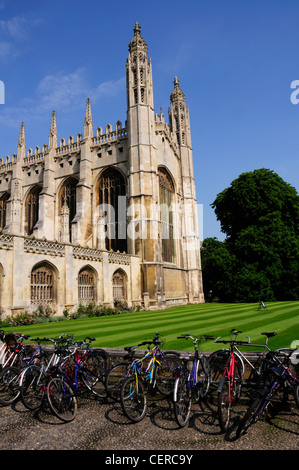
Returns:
(213, 319)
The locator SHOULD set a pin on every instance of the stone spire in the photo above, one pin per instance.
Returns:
(137, 42)
(88, 132)
(21, 142)
(53, 132)
(179, 115)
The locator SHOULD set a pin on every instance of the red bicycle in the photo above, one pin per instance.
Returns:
(229, 389)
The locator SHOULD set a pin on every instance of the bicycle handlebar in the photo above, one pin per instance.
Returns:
(206, 337)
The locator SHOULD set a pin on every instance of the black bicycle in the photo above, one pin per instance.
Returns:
(280, 381)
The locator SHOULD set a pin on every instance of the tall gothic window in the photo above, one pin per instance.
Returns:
(31, 208)
(112, 204)
(86, 285)
(3, 206)
(119, 286)
(68, 195)
(166, 191)
(42, 284)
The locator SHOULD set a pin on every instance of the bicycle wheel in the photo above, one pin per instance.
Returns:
(251, 415)
(203, 379)
(166, 366)
(228, 396)
(96, 361)
(9, 385)
(217, 362)
(114, 379)
(32, 387)
(133, 399)
(296, 394)
(93, 382)
(61, 399)
(182, 401)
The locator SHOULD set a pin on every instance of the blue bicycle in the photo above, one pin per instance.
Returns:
(66, 383)
(191, 382)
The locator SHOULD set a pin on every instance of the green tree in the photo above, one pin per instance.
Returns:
(259, 213)
(218, 267)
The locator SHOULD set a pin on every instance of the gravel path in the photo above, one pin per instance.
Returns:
(101, 425)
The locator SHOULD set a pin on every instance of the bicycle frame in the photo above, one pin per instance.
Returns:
(229, 374)
(192, 376)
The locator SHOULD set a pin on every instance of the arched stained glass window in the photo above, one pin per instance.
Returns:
(119, 286)
(166, 191)
(68, 195)
(112, 204)
(86, 285)
(3, 208)
(31, 209)
(43, 285)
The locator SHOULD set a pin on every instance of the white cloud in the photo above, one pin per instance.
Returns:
(64, 93)
(14, 28)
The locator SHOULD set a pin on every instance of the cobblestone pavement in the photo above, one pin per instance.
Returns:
(101, 425)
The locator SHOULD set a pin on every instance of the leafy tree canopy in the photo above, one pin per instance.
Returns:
(259, 213)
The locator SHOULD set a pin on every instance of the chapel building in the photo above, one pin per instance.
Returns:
(108, 214)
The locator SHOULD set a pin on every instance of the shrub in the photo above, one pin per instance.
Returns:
(23, 319)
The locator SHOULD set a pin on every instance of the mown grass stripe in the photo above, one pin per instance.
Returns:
(215, 319)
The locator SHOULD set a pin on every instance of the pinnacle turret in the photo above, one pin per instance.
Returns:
(21, 142)
(88, 132)
(53, 132)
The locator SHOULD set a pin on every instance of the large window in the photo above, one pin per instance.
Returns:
(166, 191)
(3, 208)
(86, 285)
(42, 285)
(119, 286)
(31, 209)
(112, 204)
(67, 196)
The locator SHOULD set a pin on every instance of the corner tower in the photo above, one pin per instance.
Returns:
(142, 167)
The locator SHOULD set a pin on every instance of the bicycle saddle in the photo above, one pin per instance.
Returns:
(269, 335)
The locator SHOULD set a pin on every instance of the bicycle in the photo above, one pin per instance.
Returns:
(218, 359)
(229, 388)
(119, 372)
(279, 379)
(156, 376)
(188, 385)
(9, 375)
(33, 379)
(65, 384)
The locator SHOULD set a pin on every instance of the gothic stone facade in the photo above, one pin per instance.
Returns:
(107, 215)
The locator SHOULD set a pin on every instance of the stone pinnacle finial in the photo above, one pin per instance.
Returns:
(88, 117)
(21, 141)
(53, 128)
(88, 120)
(137, 28)
(53, 132)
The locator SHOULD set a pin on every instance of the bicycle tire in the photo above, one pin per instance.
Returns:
(296, 394)
(61, 399)
(165, 372)
(33, 387)
(252, 414)
(133, 399)
(225, 408)
(217, 362)
(97, 361)
(93, 382)
(203, 379)
(182, 401)
(114, 379)
(9, 385)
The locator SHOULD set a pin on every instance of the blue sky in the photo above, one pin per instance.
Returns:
(235, 61)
